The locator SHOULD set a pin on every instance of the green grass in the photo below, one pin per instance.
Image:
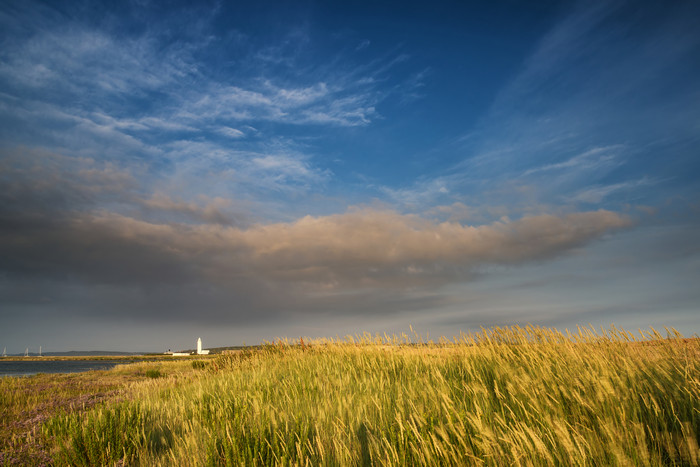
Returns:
(504, 397)
(153, 373)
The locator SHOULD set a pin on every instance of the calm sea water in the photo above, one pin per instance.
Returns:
(28, 368)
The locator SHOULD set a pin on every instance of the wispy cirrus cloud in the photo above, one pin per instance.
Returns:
(423, 193)
(596, 194)
(79, 60)
(593, 159)
(320, 104)
(118, 73)
(234, 133)
(277, 166)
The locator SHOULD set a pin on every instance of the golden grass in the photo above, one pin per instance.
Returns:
(514, 396)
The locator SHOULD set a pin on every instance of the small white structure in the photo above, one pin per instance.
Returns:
(200, 351)
(199, 347)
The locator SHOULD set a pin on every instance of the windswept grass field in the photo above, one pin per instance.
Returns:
(516, 396)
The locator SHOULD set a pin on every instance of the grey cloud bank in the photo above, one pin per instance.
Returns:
(59, 229)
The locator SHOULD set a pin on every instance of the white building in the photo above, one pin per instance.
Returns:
(200, 351)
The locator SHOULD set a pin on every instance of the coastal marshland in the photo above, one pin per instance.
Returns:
(504, 396)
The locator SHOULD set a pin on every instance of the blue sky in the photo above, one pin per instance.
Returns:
(249, 171)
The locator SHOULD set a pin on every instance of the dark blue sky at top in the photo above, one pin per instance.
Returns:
(438, 68)
(467, 54)
(174, 116)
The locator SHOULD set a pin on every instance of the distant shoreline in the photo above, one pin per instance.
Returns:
(48, 358)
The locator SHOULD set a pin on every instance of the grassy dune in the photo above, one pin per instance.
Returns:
(503, 397)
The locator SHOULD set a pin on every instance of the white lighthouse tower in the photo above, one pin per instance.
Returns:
(199, 347)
